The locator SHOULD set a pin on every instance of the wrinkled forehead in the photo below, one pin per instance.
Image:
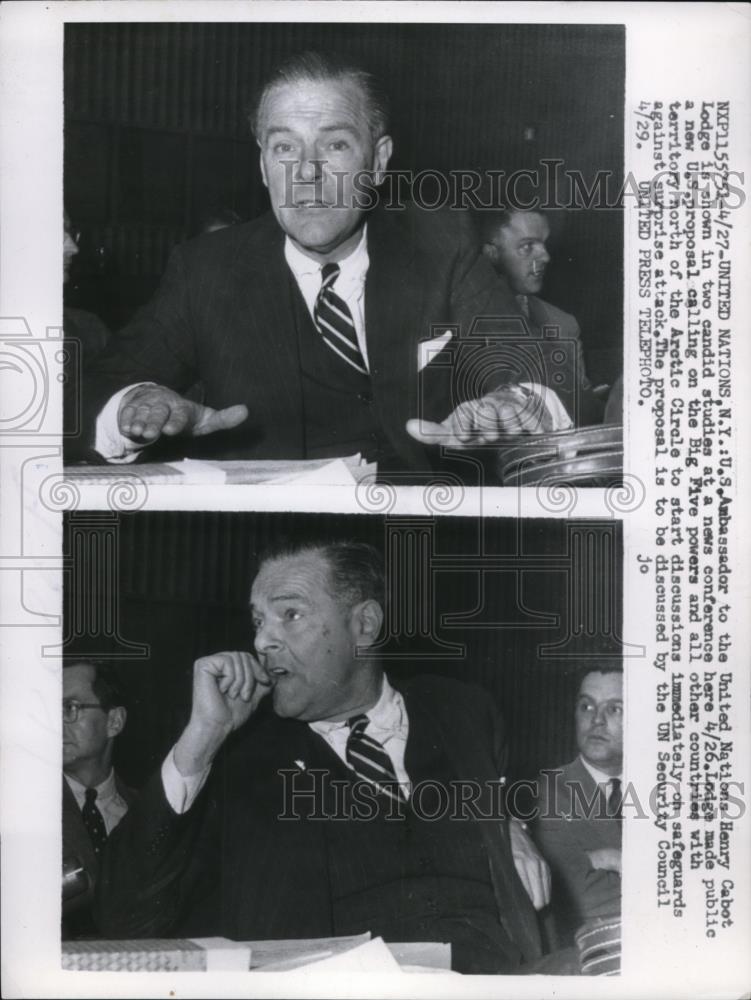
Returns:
(602, 687)
(319, 104)
(306, 576)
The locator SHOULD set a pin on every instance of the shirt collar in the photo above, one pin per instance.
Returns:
(352, 267)
(387, 715)
(105, 790)
(600, 777)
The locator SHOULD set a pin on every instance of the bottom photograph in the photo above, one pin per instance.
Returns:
(349, 742)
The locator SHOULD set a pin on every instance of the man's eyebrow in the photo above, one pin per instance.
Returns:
(340, 127)
(292, 596)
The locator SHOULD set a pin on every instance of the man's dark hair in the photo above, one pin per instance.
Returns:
(599, 668)
(357, 571)
(318, 67)
(106, 685)
(488, 223)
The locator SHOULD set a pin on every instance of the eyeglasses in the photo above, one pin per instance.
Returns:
(72, 708)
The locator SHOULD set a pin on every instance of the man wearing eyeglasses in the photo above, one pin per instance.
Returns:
(94, 798)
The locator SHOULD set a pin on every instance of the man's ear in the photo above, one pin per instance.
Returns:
(116, 719)
(381, 156)
(264, 178)
(491, 252)
(367, 619)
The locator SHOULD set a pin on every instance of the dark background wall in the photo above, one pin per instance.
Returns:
(547, 603)
(155, 133)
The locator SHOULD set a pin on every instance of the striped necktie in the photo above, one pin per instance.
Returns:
(369, 760)
(93, 821)
(334, 321)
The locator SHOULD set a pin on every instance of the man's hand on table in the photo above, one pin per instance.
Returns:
(149, 411)
(227, 689)
(511, 410)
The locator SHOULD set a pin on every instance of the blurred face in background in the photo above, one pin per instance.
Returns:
(519, 250)
(599, 721)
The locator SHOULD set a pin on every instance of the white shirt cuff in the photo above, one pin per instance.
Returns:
(109, 442)
(181, 791)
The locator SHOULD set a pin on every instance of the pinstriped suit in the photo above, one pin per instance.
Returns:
(225, 314)
(273, 878)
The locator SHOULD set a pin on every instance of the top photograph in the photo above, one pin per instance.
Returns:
(317, 253)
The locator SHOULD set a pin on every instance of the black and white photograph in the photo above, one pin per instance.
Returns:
(374, 565)
(394, 245)
(313, 732)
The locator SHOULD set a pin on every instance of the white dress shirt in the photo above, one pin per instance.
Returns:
(349, 285)
(388, 724)
(109, 801)
(601, 779)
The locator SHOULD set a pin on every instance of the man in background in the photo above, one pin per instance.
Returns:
(579, 825)
(318, 816)
(515, 243)
(94, 797)
(327, 327)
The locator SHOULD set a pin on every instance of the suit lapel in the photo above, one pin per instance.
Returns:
(394, 294)
(265, 290)
(514, 908)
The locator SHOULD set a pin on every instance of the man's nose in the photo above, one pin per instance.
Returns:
(267, 639)
(69, 245)
(542, 256)
(600, 718)
(310, 166)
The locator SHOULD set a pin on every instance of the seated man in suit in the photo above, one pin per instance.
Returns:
(515, 242)
(327, 327)
(94, 797)
(579, 824)
(322, 814)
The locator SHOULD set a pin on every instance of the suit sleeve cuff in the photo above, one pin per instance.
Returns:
(181, 791)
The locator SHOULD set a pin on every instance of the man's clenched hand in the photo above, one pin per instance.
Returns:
(149, 411)
(227, 689)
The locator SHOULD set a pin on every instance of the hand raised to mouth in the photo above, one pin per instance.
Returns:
(227, 689)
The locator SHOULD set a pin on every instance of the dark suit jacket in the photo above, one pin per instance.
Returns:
(564, 835)
(225, 315)
(551, 325)
(270, 875)
(77, 843)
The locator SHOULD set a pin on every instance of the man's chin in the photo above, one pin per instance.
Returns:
(312, 236)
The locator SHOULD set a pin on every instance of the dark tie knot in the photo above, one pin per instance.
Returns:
(358, 724)
(91, 794)
(329, 274)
